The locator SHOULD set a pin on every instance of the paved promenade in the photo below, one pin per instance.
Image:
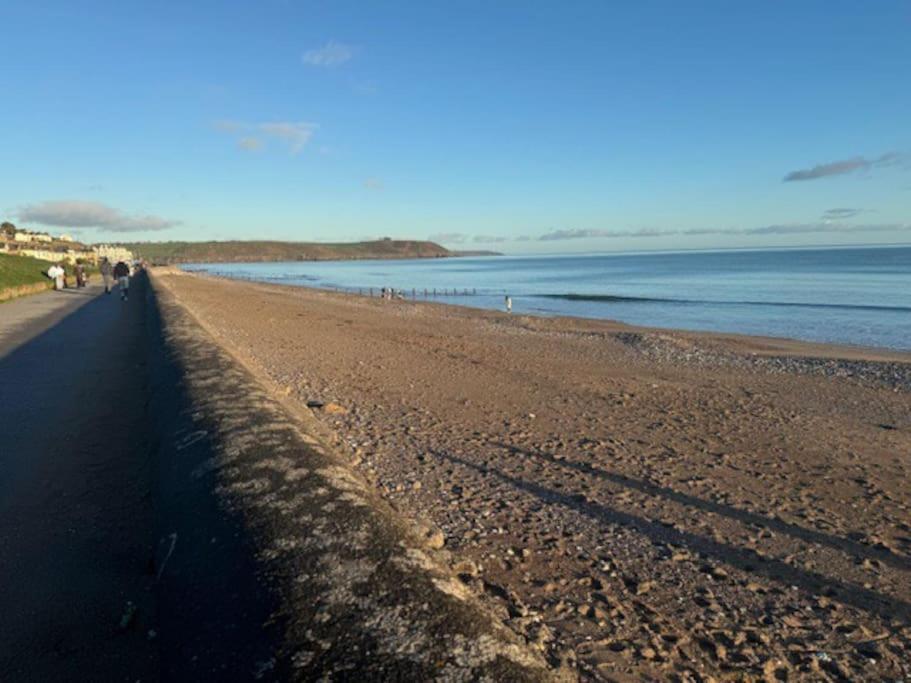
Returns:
(75, 510)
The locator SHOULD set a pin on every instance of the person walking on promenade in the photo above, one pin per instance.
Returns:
(80, 275)
(107, 274)
(56, 273)
(122, 273)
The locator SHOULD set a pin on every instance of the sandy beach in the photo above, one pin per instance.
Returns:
(640, 504)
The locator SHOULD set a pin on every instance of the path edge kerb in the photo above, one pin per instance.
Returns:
(359, 596)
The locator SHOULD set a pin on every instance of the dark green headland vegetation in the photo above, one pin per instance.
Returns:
(164, 253)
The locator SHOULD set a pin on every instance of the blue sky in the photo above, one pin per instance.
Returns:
(515, 126)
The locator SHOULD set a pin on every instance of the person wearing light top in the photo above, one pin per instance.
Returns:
(107, 274)
(56, 273)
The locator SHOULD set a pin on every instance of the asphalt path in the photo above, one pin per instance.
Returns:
(77, 533)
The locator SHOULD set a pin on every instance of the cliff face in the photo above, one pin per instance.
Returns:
(258, 251)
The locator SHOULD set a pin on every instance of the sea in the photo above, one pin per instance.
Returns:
(848, 295)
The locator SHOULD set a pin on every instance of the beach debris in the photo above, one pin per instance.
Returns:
(129, 613)
(171, 539)
(313, 403)
(260, 669)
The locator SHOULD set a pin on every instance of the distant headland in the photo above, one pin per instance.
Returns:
(166, 253)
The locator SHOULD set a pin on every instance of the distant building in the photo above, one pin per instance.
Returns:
(112, 253)
(66, 238)
(25, 236)
(56, 255)
(44, 254)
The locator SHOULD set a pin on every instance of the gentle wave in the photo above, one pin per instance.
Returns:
(613, 298)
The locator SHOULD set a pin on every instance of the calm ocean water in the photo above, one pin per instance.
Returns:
(852, 295)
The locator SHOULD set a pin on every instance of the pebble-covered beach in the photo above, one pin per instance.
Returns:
(640, 505)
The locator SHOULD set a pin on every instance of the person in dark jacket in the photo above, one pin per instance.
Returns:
(79, 269)
(122, 273)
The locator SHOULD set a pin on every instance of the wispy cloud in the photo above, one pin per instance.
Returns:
(374, 184)
(488, 239)
(294, 135)
(330, 54)
(73, 213)
(365, 88)
(846, 166)
(800, 228)
(774, 229)
(575, 234)
(840, 214)
(449, 237)
(250, 144)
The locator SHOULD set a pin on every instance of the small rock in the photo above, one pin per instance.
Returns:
(435, 539)
(335, 409)
(644, 587)
(465, 568)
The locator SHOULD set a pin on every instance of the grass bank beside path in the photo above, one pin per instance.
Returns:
(22, 275)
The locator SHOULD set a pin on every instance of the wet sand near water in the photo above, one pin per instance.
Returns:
(642, 504)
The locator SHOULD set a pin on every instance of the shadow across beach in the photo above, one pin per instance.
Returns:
(780, 526)
(867, 600)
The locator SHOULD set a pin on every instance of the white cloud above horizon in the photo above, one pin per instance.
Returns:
(775, 229)
(294, 135)
(250, 144)
(449, 238)
(74, 213)
(331, 54)
(845, 166)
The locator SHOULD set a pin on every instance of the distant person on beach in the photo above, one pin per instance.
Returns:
(508, 302)
(122, 273)
(107, 274)
(57, 274)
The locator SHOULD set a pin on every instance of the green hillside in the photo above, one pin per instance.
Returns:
(16, 271)
(236, 251)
